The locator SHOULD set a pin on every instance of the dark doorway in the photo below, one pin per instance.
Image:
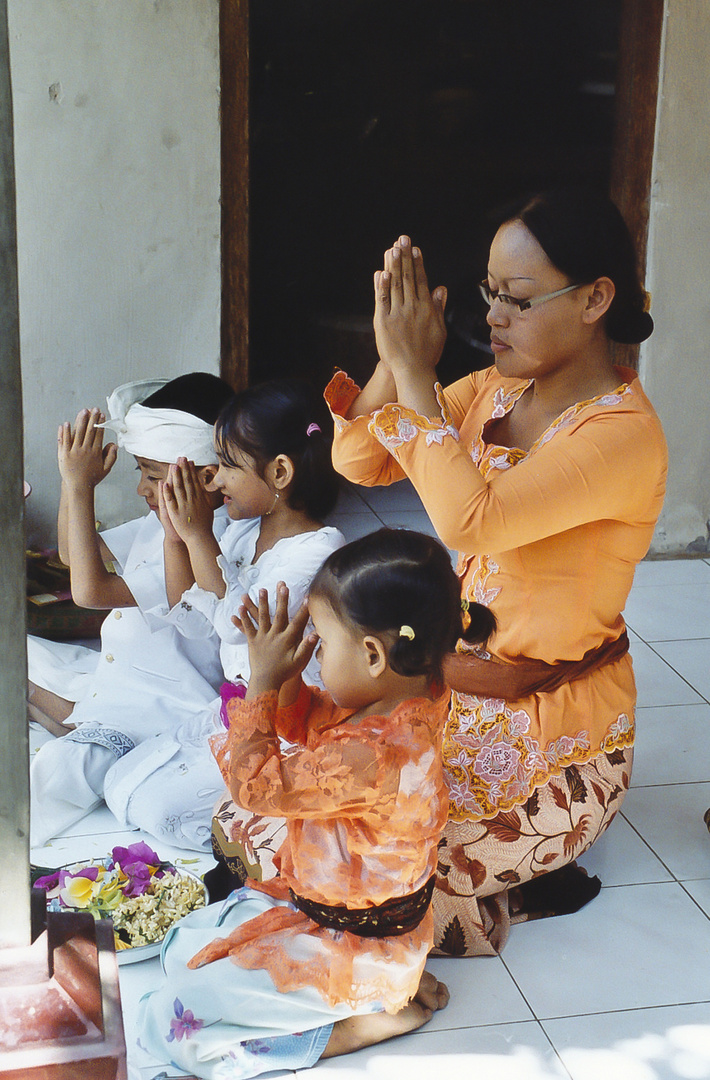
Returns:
(421, 116)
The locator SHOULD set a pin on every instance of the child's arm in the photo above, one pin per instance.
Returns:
(63, 527)
(289, 692)
(83, 463)
(191, 514)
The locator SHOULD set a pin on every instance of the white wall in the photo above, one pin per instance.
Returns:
(117, 165)
(675, 365)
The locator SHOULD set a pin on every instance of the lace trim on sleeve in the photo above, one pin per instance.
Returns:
(339, 395)
(394, 425)
(251, 734)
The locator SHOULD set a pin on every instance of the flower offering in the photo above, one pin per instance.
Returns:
(140, 894)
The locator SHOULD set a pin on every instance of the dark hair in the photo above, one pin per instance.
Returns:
(584, 235)
(393, 578)
(198, 393)
(284, 416)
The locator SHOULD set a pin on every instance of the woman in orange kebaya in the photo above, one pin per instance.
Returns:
(546, 472)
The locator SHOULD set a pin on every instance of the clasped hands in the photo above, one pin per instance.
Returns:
(279, 648)
(184, 506)
(409, 319)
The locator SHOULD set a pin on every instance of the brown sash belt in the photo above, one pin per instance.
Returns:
(468, 674)
(397, 916)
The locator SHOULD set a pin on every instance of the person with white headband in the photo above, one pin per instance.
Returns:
(277, 483)
(146, 679)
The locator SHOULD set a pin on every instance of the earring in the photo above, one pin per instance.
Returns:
(273, 505)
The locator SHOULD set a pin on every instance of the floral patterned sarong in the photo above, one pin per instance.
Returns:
(481, 861)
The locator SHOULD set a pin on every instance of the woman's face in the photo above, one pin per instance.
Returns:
(544, 339)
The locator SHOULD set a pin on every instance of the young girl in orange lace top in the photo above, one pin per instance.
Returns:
(334, 949)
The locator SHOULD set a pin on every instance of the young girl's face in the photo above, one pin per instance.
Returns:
(246, 495)
(342, 657)
(151, 473)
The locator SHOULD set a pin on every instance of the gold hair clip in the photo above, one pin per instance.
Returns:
(406, 631)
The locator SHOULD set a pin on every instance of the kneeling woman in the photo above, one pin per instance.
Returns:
(546, 473)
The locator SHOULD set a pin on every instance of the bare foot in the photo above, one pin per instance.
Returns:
(359, 1031)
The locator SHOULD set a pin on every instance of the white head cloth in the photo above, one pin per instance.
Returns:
(157, 434)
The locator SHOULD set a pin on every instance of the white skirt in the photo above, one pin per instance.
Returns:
(222, 1021)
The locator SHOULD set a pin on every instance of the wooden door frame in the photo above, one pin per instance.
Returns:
(234, 120)
(640, 34)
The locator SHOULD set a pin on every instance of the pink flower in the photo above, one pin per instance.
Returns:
(138, 862)
(184, 1022)
(227, 691)
(48, 882)
(138, 852)
(497, 762)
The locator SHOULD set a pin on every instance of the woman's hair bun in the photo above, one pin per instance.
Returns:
(629, 327)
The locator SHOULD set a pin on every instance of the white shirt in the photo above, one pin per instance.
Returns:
(293, 560)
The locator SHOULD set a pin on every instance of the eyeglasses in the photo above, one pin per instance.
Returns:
(490, 295)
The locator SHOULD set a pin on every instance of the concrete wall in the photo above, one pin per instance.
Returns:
(117, 161)
(675, 362)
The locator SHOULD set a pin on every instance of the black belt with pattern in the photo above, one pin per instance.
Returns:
(400, 915)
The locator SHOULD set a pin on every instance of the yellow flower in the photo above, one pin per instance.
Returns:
(79, 892)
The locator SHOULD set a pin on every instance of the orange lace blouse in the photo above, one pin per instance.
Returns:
(365, 803)
(548, 539)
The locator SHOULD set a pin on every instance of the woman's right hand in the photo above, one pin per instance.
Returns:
(83, 459)
(409, 319)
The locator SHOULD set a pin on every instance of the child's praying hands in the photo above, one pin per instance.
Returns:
(278, 650)
(186, 502)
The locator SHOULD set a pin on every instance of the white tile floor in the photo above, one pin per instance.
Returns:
(619, 991)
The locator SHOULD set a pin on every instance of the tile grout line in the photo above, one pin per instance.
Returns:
(675, 880)
(686, 681)
(663, 660)
(690, 895)
(616, 1012)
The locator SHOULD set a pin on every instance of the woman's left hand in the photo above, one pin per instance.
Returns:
(278, 650)
(409, 320)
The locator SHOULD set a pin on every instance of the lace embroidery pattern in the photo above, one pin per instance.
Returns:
(503, 400)
(490, 457)
(115, 741)
(479, 588)
(494, 763)
(394, 425)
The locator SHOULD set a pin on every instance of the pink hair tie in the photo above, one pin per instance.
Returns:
(312, 428)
